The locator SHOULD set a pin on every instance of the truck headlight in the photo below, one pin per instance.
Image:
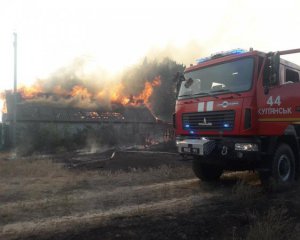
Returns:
(246, 147)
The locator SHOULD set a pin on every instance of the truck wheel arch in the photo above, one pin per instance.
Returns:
(290, 137)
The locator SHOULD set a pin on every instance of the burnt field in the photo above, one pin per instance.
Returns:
(137, 194)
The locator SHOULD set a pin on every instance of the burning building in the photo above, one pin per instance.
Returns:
(46, 121)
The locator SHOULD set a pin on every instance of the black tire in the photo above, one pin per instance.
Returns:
(282, 168)
(206, 172)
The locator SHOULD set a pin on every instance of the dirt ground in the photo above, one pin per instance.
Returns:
(128, 194)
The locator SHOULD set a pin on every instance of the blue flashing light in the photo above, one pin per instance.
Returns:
(226, 125)
(187, 125)
(221, 54)
(201, 60)
(237, 51)
(192, 132)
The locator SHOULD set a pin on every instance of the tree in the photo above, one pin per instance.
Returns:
(163, 98)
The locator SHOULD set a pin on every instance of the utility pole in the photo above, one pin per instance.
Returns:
(15, 93)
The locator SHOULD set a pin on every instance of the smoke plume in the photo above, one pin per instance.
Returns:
(148, 83)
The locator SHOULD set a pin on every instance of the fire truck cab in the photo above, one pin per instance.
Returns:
(240, 110)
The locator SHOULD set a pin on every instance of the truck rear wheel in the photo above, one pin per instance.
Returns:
(282, 168)
(206, 172)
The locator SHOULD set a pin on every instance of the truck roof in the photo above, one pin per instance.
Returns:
(219, 58)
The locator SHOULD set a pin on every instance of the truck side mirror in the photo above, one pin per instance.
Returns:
(275, 62)
(178, 78)
(275, 59)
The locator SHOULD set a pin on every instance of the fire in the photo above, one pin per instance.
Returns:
(82, 92)
(30, 92)
(147, 92)
(3, 106)
(113, 93)
(60, 91)
(142, 98)
(116, 95)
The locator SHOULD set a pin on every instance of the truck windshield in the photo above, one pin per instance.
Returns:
(233, 76)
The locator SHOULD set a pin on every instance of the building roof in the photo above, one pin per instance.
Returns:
(33, 111)
(43, 113)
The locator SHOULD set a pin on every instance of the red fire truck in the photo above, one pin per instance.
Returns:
(240, 110)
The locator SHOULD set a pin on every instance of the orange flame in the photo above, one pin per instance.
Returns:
(82, 92)
(147, 92)
(115, 93)
(142, 98)
(30, 92)
(3, 105)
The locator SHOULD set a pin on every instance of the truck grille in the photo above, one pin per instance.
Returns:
(216, 120)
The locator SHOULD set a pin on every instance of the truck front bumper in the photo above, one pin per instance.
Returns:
(220, 150)
(196, 146)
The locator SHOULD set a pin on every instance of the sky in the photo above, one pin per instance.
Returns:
(115, 34)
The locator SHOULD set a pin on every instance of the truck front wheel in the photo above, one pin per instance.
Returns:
(282, 168)
(206, 172)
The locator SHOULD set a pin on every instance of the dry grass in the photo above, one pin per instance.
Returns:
(246, 176)
(41, 193)
(275, 224)
(245, 192)
(30, 169)
(37, 189)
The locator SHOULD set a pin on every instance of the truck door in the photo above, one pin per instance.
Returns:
(278, 99)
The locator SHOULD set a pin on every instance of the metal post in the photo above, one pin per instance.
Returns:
(15, 93)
